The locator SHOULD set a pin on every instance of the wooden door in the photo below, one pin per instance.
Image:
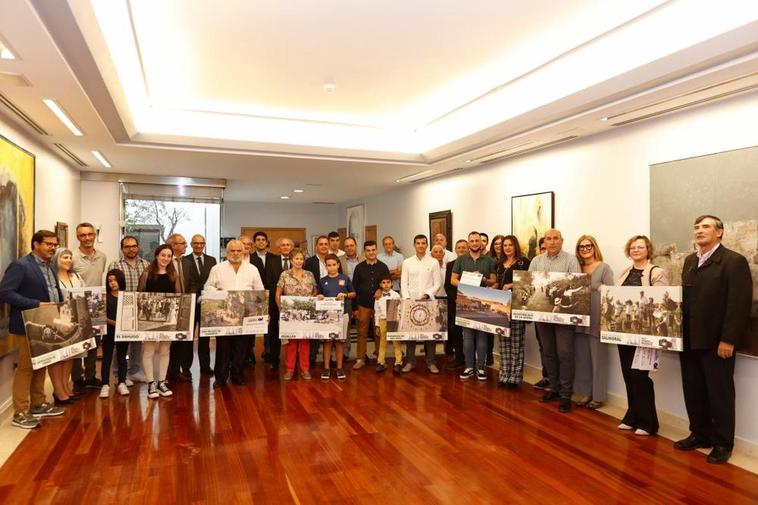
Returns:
(343, 234)
(297, 235)
(370, 233)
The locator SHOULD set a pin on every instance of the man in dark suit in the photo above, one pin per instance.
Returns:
(454, 344)
(264, 259)
(196, 267)
(275, 265)
(316, 265)
(29, 282)
(717, 298)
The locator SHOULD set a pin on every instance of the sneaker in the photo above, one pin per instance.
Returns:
(123, 389)
(481, 375)
(408, 368)
(341, 374)
(397, 368)
(305, 375)
(641, 432)
(467, 373)
(625, 427)
(287, 376)
(136, 377)
(543, 383)
(359, 363)
(163, 389)
(105, 391)
(326, 374)
(128, 382)
(380, 367)
(93, 383)
(433, 369)
(24, 420)
(46, 410)
(152, 390)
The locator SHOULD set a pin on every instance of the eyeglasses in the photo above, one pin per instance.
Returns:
(585, 247)
(50, 244)
(198, 243)
(638, 248)
(135, 246)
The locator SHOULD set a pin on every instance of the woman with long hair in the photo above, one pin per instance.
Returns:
(591, 355)
(512, 347)
(496, 251)
(159, 277)
(60, 373)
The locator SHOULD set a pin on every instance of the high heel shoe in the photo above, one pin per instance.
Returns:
(58, 401)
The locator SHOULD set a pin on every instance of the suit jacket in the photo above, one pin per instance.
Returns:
(451, 290)
(717, 298)
(273, 270)
(194, 280)
(257, 263)
(23, 287)
(313, 265)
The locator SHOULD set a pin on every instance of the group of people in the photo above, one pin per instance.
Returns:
(715, 313)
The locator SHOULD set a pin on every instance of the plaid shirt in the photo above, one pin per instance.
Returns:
(132, 274)
(50, 280)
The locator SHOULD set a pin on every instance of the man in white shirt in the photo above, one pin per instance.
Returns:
(420, 280)
(438, 253)
(232, 275)
(334, 245)
(393, 260)
(440, 239)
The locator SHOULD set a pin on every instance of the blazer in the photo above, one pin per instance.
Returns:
(257, 263)
(313, 265)
(194, 281)
(452, 291)
(652, 275)
(717, 298)
(23, 287)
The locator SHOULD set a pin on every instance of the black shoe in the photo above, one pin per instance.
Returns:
(720, 454)
(549, 397)
(275, 366)
(184, 377)
(75, 398)
(543, 383)
(509, 385)
(79, 387)
(565, 405)
(217, 384)
(58, 401)
(397, 369)
(93, 383)
(206, 371)
(691, 443)
(238, 381)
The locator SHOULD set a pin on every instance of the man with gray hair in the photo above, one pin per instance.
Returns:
(178, 349)
(557, 339)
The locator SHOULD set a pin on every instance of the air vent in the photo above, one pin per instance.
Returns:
(497, 154)
(71, 155)
(324, 203)
(698, 97)
(538, 147)
(22, 115)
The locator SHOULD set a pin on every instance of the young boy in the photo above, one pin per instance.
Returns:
(336, 285)
(380, 317)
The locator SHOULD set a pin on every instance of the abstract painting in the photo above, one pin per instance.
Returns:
(531, 216)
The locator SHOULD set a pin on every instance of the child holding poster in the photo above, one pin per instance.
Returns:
(115, 281)
(336, 285)
(380, 318)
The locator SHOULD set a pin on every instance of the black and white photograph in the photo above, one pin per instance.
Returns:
(155, 316)
(642, 316)
(233, 313)
(307, 317)
(58, 331)
(551, 297)
(484, 309)
(95, 298)
(416, 319)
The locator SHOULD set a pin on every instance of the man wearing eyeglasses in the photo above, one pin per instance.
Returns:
(132, 265)
(28, 283)
(90, 265)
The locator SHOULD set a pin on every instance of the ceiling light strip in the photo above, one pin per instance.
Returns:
(58, 111)
(103, 161)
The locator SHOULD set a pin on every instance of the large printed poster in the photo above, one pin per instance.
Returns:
(307, 317)
(16, 219)
(484, 309)
(416, 319)
(642, 316)
(155, 316)
(58, 331)
(551, 297)
(233, 313)
(95, 299)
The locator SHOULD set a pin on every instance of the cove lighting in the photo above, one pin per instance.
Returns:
(53, 106)
(101, 159)
(6, 54)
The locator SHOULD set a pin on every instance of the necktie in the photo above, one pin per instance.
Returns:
(286, 261)
(199, 264)
(180, 273)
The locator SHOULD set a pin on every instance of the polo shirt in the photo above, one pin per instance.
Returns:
(485, 265)
(332, 286)
(90, 268)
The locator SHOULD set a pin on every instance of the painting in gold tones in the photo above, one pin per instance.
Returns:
(531, 216)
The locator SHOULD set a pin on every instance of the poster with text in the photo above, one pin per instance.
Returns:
(642, 316)
(233, 313)
(484, 309)
(155, 316)
(307, 317)
(551, 297)
(416, 319)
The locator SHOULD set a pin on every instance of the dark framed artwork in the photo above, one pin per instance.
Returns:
(531, 216)
(441, 222)
(61, 230)
(17, 184)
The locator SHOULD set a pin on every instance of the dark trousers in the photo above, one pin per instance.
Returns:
(249, 352)
(87, 371)
(708, 384)
(121, 351)
(539, 344)
(640, 393)
(558, 356)
(275, 345)
(204, 352)
(230, 357)
(454, 344)
(180, 358)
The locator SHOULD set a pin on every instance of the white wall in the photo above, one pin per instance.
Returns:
(56, 199)
(317, 219)
(100, 205)
(601, 187)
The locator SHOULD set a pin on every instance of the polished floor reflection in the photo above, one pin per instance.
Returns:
(372, 439)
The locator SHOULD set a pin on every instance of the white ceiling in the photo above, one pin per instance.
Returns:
(234, 89)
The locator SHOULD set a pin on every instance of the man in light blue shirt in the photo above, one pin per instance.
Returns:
(393, 260)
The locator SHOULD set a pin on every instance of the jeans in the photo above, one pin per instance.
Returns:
(479, 339)
(429, 348)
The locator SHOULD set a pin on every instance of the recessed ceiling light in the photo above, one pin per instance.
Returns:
(53, 105)
(604, 119)
(329, 87)
(101, 159)
(298, 190)
(6, 53)
(468, 161)
(284, 197)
